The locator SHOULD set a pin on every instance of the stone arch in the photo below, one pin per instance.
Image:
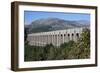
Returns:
(61, 38)
(72, 36)
(77, 35)
(68, 36)
(64, 34)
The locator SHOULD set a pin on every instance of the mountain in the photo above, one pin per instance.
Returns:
(51, 24)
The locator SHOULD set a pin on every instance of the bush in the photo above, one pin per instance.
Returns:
(70, 50)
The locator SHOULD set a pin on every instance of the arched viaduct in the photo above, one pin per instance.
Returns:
(56, 38)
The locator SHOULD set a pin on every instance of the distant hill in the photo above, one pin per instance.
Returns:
(51, 24)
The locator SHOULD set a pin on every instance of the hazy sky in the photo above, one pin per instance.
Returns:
(30, 16)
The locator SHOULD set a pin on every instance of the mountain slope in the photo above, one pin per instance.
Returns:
(51, 24)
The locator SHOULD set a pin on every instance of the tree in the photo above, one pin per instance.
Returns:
(25, 35)
(82, 48)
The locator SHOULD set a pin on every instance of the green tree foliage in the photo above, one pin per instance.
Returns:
(25, 35)
(81, 49)
(69, 50)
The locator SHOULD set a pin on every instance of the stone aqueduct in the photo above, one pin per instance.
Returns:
(54, 37)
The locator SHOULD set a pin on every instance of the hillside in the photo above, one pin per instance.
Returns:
(51, 24)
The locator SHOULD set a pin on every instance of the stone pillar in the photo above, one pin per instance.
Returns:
(57, 39)
(62, 37)
(45, 39)
(52, 39)
(72, 36)
(38, 40)
(48, 38)
(41, 40)
(35, 40)
(32, 40)
(68, 37)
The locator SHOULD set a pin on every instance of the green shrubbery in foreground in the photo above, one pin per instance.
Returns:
(70, 50)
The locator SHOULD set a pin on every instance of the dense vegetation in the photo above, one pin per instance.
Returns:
(70, 50)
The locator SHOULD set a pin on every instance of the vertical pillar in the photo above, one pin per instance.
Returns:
(68, 37)
(48, 39)
(45, 39)
(38, 40)
(57, 38)
(52, 39)
(41, 40)
(63, 37)
(72, 36)
(33, 40)
(60, 39)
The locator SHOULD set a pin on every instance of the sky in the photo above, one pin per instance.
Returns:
(30, 16)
